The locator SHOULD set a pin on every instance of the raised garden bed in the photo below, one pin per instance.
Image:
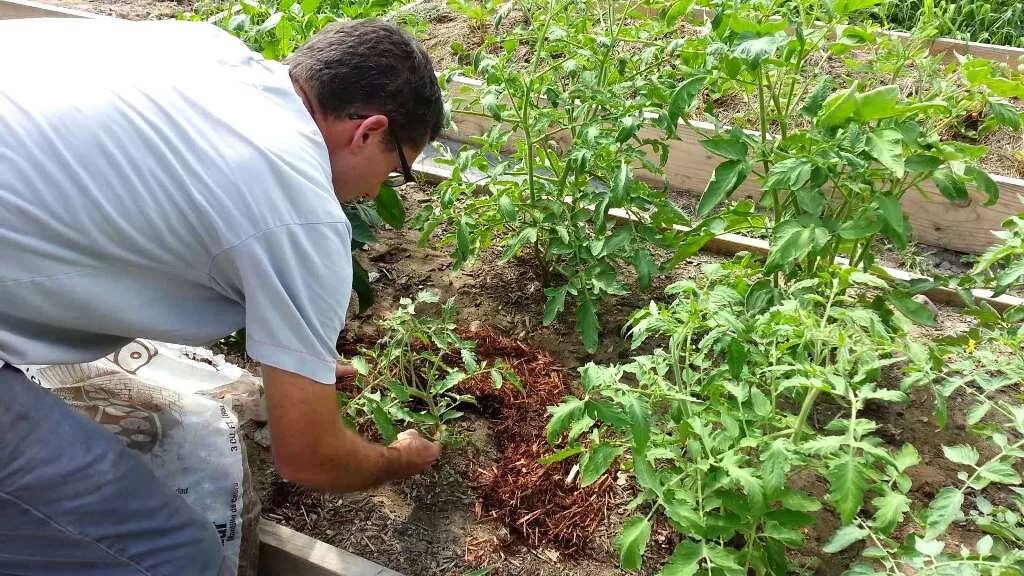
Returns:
(490, 507)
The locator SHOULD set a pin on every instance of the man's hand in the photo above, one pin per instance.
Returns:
(418, 452)
(345, 373)
(344, 370)
(312, 447)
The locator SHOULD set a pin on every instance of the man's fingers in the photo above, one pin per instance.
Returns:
(344, 370)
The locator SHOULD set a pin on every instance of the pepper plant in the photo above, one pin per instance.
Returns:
(564, 154)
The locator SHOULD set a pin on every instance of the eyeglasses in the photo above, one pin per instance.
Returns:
(395, 178)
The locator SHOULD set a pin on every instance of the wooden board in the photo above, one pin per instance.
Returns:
(936, 222)
(10, 9)
(731, 244)
(285, 552)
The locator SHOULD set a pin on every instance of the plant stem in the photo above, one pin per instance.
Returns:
(805, 410)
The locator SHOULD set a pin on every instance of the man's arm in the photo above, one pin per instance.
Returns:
(312, 447)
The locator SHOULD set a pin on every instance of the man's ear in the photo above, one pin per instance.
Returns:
(373, 128)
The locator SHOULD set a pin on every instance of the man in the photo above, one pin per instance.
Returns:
(159, 180)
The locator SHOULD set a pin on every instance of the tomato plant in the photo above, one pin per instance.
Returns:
(569, 142)
(715, 428)
(410, 375)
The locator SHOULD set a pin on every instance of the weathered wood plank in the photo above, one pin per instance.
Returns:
(730, 244)
(936, 222)
(285, 552)
(10, 9)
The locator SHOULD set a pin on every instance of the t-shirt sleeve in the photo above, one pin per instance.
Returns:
(295, 282)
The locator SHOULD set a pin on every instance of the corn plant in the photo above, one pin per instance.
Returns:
(410, 376)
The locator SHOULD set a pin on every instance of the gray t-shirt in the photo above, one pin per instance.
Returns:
(159, 180)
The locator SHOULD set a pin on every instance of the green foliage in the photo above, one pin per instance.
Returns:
(833, 178)
(714, 423)
(479, 12)
(1001, 268)
(410, 377)
(568, 129)
(989, 21)
(276, 28)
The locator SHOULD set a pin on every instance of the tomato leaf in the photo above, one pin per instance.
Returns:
(586, 323)
(944, 508)
(844, 538)
(847, 484)
(632, 542)
(727, 178)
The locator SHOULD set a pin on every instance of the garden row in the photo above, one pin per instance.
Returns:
(749, 409)
(579, 121)
(711, 417)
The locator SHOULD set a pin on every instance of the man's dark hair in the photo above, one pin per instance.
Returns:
(372, 67)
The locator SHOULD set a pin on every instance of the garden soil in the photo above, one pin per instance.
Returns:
(129, 9)
(447, 522)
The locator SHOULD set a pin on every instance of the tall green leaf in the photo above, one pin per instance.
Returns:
(562, 415)
(889, 511)
(886, 146)
(912, 309)
(792, 241)
(878, 103)
(755, 50)
(731, 148)
(596, 462)
(892, 213)
(586, 323)
(555, 303)
(985, 184)
(838, 108)
(727, 178)
(751, 485)
(775, 466)
(949, 185)
(683, 99)
(639, 422)
(844, 538)
(645, 268)
(361, 285)
(1005, 114)
(961, 454)
(685, 560)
